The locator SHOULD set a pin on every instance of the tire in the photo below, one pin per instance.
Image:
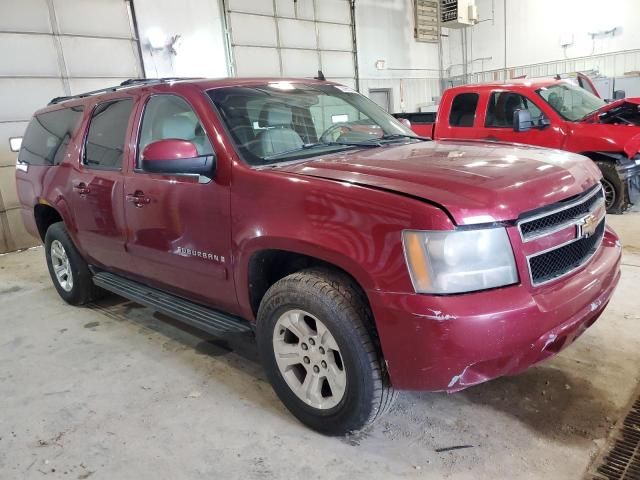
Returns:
(74, 284)
(614, 188)
(322, 299)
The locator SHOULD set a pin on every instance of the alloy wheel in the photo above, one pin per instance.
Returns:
(309, 359)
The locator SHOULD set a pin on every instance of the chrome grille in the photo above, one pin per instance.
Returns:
(585, 215)
(555, 263)
(558, 218)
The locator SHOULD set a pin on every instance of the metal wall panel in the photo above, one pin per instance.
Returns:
(297, 34)
(299, 63)
(257, 61)
(333, 11)
(302, 9)
(28, 55)
(118, 58)
(102, 18)
(334, 37)
(25, 16)
(20, 97)
(251, 6)
(255, 30)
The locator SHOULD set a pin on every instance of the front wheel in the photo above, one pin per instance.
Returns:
(319, 355)
(614, 188)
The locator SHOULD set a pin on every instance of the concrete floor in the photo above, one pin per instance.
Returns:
(114, 391)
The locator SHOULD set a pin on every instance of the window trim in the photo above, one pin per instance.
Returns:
(493, 92)
(83, 163)
(136, 168)
(475, 110)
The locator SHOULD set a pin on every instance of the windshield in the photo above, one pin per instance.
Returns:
(283, 121)
(571, 102)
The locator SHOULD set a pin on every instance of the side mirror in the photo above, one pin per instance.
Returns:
(522, 120)
(174, 156)
(619, 94)
(406, 122)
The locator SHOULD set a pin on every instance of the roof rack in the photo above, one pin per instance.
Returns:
(127, 83)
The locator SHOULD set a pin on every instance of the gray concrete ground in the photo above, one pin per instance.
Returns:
(115, 391)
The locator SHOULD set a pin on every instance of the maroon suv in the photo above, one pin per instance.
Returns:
(364, 258)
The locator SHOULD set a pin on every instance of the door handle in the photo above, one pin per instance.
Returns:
(82, 188)
(139, 199)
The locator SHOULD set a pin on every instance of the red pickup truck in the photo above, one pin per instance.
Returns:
(364, 258)
(554, 114)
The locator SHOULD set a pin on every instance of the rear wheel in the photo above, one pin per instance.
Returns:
(614, 188)
(69, 272)
(319, 354)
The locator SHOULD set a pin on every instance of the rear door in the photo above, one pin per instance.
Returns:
(462, 119)
(496, 122)
(179, 236)
(98, 185)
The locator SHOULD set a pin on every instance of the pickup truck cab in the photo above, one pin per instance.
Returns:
(365, 259)
(554, 114)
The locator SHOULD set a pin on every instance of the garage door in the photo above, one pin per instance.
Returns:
(292, 38)
(51, 48)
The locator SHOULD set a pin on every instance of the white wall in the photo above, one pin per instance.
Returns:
(201, 51)
(384, 31)
(535, 27)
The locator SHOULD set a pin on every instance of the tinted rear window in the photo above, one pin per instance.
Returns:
(463, 110)
(48, 135)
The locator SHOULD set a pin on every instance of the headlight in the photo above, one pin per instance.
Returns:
(459, 261)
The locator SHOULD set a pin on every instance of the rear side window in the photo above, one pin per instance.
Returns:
(463, 110)
(105, 141)
(48, 136)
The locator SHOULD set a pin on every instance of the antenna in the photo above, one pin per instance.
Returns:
(320, 76)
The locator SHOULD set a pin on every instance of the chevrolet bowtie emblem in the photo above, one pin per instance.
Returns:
(586, 226)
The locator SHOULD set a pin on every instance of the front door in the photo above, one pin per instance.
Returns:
(179, 225)
(98, 186)
(498, 122)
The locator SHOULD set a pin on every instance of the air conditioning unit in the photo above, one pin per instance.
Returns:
(458, 13)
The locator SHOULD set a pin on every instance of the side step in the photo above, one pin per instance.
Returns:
(199, 316)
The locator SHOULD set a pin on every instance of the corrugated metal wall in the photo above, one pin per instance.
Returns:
(50, 48)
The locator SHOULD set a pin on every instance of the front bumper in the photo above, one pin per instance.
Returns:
(453, 342)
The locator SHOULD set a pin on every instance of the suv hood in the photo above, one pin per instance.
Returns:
(474, 182)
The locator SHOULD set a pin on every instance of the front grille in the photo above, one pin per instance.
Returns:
(557, 219)
(556, 263)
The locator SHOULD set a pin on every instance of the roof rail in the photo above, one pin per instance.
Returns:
(127, 83)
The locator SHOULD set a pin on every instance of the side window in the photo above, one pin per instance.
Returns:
(48, 135)
(170, 116)
(502, 105)
(463, 110)
(105, 140)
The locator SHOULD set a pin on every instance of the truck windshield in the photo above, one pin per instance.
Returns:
(571, 102)
(282, 121)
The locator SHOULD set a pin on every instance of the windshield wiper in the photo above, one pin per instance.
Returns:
(394, 136)
(308, 146)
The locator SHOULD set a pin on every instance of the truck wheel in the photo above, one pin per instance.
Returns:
(614, 189)
(69, 272)
(319, 356)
